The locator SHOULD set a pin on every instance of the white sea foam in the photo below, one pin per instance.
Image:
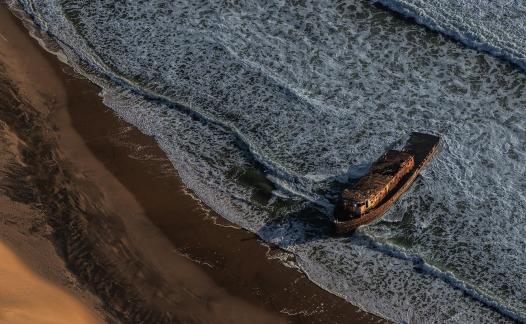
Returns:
(498, 27)
(307, 94)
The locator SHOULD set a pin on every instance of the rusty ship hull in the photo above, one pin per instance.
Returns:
(423, 147)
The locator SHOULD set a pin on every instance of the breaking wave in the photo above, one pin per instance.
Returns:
(497, 27)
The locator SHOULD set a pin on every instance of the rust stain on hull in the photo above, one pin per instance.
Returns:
(390, 176)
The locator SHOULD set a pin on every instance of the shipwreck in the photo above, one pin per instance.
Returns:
(388, 178)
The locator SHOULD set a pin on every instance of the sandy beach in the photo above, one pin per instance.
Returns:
(94, 213)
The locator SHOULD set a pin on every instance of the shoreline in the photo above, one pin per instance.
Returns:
(223, 269)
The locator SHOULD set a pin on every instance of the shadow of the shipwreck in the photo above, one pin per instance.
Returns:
(303, 226)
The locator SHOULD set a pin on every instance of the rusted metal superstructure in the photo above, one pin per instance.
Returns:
(388, 178)
(383, 176)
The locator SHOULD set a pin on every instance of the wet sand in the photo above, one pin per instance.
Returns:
(149, 250)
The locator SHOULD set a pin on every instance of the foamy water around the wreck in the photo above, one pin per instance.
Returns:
(264, 106)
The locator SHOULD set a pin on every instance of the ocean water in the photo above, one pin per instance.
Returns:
(266, 108)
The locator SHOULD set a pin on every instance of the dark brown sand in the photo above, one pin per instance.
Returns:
(110, 183)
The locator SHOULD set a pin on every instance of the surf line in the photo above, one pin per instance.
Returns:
(447, 277)
(3, 37)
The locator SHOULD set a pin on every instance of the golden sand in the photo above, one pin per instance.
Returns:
(27, 298)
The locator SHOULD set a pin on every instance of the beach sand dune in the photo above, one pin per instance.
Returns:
(27, 298)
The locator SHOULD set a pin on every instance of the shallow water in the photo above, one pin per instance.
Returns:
(266, 107)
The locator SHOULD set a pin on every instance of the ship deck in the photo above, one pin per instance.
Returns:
(423, 147)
